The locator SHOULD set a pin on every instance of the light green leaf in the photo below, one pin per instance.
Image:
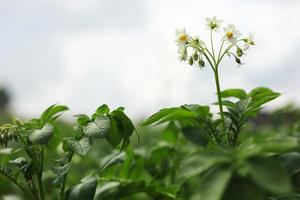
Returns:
(103, 109)
(98, 128)
(80, 147)
(169, 114)
(214, 183)
(237, 93)
(42, 136)
(51, 113)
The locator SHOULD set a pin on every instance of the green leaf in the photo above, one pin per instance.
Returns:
(291, 161)
(214, 183)
(82, 119)
(126, 125)
(117, 190)
(171, 133)
(112, 160)
(104, 109)
(262, 95)
(195, 135)
(226, 103)
(237, 93)
(51, 113)
(242, 189)
(84, 190)
(61, 170)
(80, 147)
(271, 144)
(270, 174)
(121, 129)
(202, 161)
(169, 114)
(42, 136)
(202, 111)
(99, 128)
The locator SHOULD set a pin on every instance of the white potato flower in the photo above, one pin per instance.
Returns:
(181, 36)
(231, 34)
(213, 23)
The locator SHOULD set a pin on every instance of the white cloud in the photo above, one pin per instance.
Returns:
(122, 52)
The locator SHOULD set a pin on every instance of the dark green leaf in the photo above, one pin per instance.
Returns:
(84, 190)
(242, 189)
(112, 160)
(270, 174)
(195, 135)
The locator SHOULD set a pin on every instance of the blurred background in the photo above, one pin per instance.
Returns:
(122, 53)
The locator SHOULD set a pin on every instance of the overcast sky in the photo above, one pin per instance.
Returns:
(84, 53)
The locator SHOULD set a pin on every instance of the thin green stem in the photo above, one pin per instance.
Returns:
(40, 175)
(219, 98)
(220, 51)
(226, 50)
(212, 46)
(205, 55)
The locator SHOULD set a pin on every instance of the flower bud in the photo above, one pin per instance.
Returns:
(195, 56)
(237, 60)
(183, 54)
(201, 62)
(191, 61)
(239, 52)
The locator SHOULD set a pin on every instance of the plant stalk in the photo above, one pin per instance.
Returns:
(219, 97)
(63, 185)
(40, 175)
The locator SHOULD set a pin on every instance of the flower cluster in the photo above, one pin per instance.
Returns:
(8, 133)
(194, 50)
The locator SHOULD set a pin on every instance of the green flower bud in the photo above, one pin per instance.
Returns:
(195, 56)
(191, 61)
(182, 54)
(237, 60)
(239, 52)
(42, 136)
(201, 62)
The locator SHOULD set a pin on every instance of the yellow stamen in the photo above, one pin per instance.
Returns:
(182, 37)
(229, 34)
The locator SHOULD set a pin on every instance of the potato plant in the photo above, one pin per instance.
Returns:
(192, 154)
